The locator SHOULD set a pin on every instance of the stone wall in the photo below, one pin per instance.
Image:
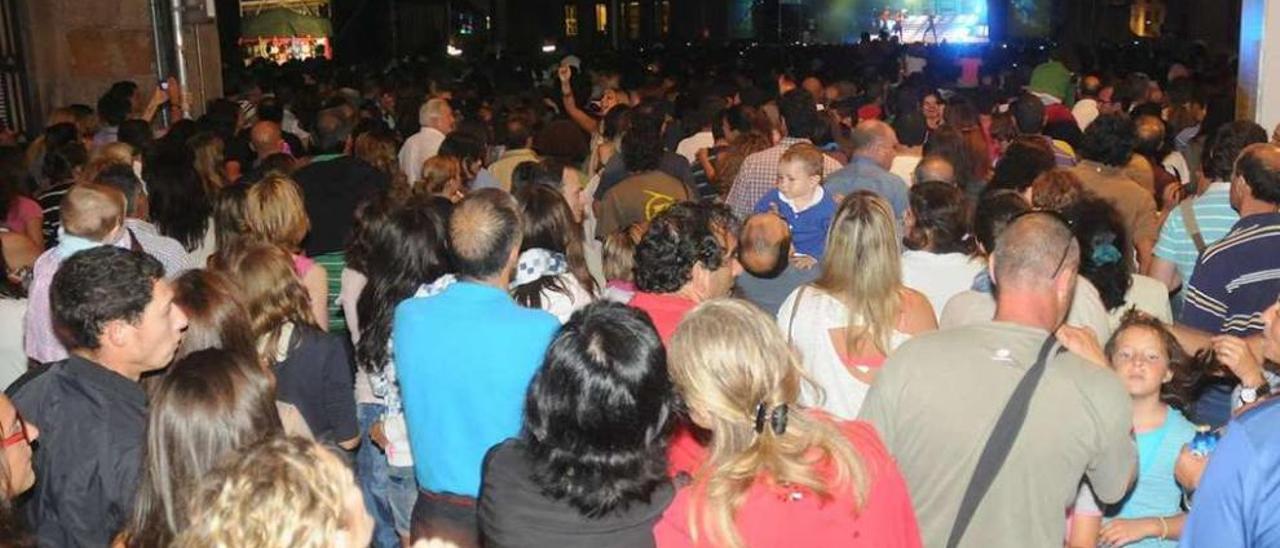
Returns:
(77, 48)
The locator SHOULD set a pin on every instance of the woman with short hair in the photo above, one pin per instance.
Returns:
(773, 473)
(939, 257)
(278, 493)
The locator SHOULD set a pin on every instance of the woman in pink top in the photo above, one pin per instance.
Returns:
(20, 214)
(772, 473)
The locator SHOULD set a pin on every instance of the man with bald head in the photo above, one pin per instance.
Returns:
(875, 144)
(1086, 109)
(437, 120)
(1238, 277)
(937, 399)
(266, 139)
(768, 274)
(934, 168)
(465, 357)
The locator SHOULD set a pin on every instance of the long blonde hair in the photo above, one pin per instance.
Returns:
(271, 289)
(863, 269)
(279, 493)
(727, 357)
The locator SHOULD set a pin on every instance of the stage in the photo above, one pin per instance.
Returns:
(930, 29)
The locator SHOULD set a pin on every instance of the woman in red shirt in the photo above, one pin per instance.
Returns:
(771, 474)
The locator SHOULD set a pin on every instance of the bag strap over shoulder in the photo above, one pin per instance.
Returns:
(1193, 226)
(795, 306)
(1001, 441)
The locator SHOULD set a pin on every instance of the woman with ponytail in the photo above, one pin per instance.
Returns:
(772, 473)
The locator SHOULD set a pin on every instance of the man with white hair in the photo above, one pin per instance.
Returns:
(436, 118)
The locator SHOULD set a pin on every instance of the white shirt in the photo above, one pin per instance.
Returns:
(690, 146)
(1148, 295)
(939, 276)
(1085, 112)
(418, 149)
(904, 165)
(809, 330)
(562, 306)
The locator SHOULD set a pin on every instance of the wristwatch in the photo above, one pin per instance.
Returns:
(1251, 394)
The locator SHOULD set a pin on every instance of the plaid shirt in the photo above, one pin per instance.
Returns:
(759, 175)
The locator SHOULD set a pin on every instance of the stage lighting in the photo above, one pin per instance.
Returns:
(548, 48)
(453, 51)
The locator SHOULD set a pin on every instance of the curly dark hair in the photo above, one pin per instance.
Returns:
(399, 250)
(97, 286)
(686, 234)
(1109, 140)
(642, 144)
(941, 219)
(599, 411)
(1103, 242)
(1179, 393)
(1225, 145)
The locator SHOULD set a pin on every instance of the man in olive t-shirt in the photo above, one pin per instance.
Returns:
(638, 198)
(938, 397)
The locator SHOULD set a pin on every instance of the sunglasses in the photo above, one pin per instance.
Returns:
(19, 436)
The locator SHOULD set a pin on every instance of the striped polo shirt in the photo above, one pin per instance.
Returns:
(1216, 217)
(1236, 279)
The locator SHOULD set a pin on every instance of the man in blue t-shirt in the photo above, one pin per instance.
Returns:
(1240, 490)
(465, 358)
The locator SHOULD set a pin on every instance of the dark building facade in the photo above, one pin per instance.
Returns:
(600, 24)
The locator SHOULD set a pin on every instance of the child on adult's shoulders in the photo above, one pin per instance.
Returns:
(801, 201)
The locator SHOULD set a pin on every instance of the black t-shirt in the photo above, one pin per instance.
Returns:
(331, 191)
(514, 512)
(317, 377)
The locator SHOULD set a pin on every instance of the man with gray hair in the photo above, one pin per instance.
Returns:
(937, 400)
(436, 118)
(875, 144)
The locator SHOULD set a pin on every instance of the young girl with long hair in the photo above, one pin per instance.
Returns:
(858, 311)
(552, 273)
(773, 473)
(1158, 376)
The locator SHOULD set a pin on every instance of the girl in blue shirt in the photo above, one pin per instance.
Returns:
(1153, 369)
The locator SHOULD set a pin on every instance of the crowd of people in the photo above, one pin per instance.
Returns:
(863, 296)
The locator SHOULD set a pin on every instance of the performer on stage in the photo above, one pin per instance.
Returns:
(931, 26)
(899, 21)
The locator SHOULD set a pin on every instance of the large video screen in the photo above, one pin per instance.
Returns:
(953, 21)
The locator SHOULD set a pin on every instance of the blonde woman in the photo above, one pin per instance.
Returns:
(274, 213)
(312, 368)
(279, 493)
(773, 473)
(442, 176)
(858, 311)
